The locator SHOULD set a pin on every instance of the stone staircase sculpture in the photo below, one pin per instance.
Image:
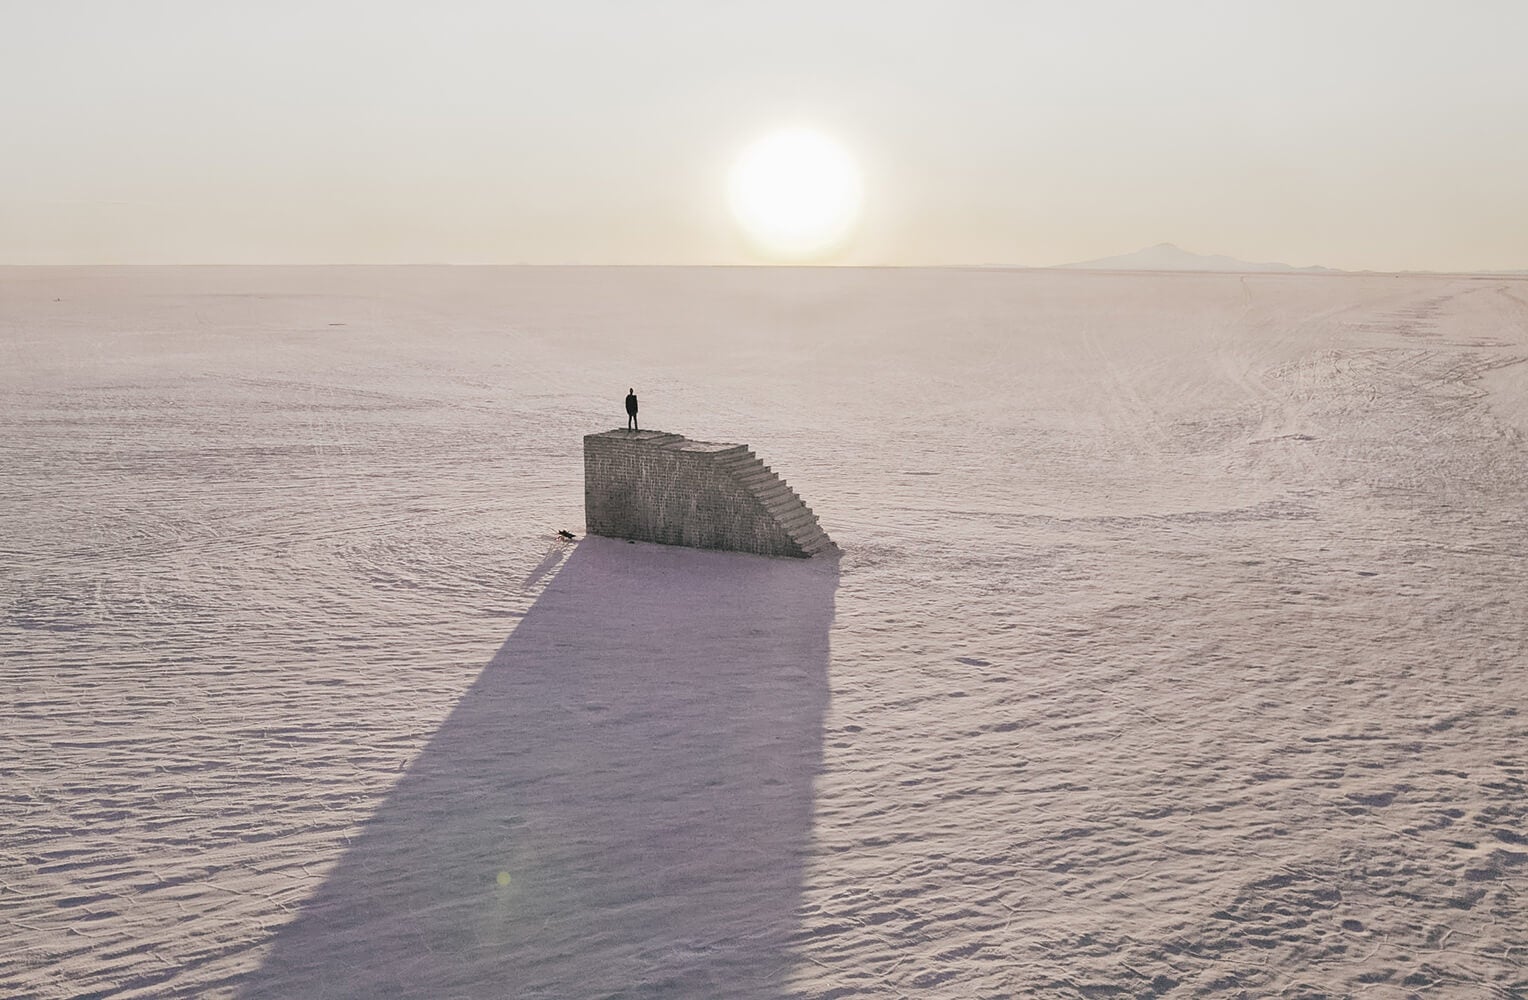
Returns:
(658, 487)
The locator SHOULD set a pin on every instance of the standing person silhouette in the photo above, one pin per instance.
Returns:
(631, 410)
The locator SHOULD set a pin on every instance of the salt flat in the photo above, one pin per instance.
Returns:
(1177, 648)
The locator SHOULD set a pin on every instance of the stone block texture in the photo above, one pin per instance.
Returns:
(655, 487)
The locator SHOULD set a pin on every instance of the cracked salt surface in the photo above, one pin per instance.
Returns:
(1177, 647)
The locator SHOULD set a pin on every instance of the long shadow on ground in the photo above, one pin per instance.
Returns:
(620, 806)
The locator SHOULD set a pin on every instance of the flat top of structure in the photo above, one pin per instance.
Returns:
(662, 439)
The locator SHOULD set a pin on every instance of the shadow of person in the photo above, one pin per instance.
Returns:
(619, 806)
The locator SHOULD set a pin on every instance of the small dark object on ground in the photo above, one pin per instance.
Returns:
(565, 534)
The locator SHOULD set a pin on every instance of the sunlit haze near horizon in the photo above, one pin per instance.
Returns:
(1360, 134)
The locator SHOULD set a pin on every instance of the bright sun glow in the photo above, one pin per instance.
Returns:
(796, 194)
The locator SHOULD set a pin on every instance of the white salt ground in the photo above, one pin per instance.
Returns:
(1177, 648)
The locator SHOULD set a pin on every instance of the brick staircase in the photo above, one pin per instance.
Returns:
(778, 499)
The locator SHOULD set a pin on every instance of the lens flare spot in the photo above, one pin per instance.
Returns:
(504, 880)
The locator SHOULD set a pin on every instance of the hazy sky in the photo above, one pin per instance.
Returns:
(1352, 133)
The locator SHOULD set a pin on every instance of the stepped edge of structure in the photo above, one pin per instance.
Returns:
(779, 499)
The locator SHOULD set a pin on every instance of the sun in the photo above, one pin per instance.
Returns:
(796, 194)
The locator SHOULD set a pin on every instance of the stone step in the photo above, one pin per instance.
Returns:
(811, 531)
(776, 498)
(771, 491)
(782, 503)
(778, 488)
(781, 510)
(807, 533)
(814, 545)
(791, 522)
(791, 513)
(812, 548)
(807, 528)
(779, 499)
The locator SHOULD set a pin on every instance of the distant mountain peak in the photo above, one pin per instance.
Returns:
(1171, 257)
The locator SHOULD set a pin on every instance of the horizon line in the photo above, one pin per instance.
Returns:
(1312, 272)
